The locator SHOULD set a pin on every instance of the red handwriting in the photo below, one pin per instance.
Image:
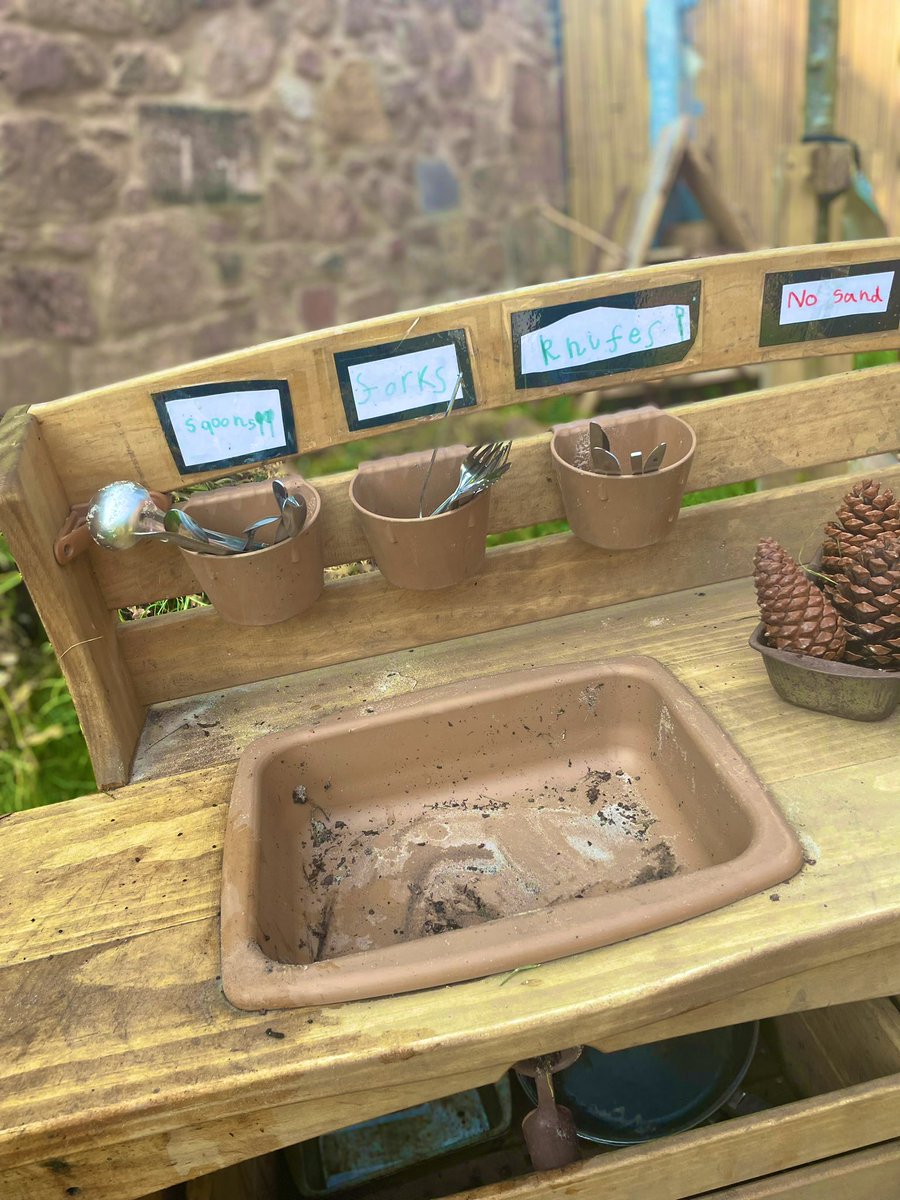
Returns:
(861, 297)
(805, 299)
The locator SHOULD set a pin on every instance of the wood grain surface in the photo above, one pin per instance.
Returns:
(78, 624)
(183, 653)
(113, 432)
(119, 1055)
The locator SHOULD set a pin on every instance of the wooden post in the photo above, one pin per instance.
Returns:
(33, 506)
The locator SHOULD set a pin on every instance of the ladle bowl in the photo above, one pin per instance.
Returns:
(120, 512)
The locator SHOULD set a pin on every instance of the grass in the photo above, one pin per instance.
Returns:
(43, 757)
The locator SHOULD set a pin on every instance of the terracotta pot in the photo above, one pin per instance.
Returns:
(424, 553)
(625, 512)
(264, 586)
(838, 688)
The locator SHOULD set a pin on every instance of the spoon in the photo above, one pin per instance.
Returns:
(177, 539)
(293, 512)
(120, 513)
(178, 521)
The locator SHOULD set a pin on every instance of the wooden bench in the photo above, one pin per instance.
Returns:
(123, 1069)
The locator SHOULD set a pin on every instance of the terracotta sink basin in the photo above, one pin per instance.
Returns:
(484, 826)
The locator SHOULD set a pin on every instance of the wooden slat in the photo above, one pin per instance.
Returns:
(727, 221)
(113, 432)
(181, 654)
(32, 510)
(738, 437)
(872, 1174)
(852, 978)
(868, 94)
(701, 635)
(832, 1048)
(662, 172)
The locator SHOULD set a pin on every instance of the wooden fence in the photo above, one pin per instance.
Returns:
(751, 80)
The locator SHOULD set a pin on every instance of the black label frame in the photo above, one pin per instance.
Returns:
(345, 360)
(773, 333)
(289, 445)
(531, 320)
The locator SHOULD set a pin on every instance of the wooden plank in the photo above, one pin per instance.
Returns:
(182, 654)
(107, 857)
(663, 170)
(738, 437)
(728, 223)
(260, 1178)
(702, 636)
(866, 1175)
(832, 1048)
(868, 36)
(113, 432)
(670, 1169)
(854, 979)
(591, 236)
(81, 630)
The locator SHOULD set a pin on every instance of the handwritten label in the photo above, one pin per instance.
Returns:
(821, 299)
(601, 333)
(830, 302)
(227, 424)
(382, 385)
(569, 342)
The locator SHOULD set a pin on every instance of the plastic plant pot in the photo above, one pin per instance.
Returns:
(262, 587)
(420, 553)
(625, 512)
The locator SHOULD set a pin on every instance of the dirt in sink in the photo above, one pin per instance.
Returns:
(439, 863)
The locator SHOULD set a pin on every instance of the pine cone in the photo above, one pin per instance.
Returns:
(867, 597)
(797, 616)
(866, 512)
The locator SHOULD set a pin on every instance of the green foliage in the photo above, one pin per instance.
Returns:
(705, 495)
(526, 534)
(177, 604)
(43, 757)
(875, 358)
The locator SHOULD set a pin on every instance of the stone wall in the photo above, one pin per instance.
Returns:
(183, 177)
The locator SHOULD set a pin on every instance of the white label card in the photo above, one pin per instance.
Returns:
(601, 333)
(214, 425)
(404, 382)
(824, 299)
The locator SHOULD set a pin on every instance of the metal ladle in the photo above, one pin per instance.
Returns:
(121, 513)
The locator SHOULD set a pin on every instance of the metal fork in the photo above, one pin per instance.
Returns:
(482, 466)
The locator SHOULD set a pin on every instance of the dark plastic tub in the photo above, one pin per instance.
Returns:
(837, 688)
(645, 1092)
(349, 1158)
